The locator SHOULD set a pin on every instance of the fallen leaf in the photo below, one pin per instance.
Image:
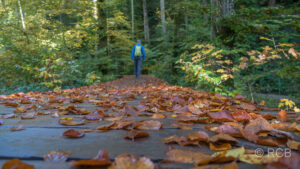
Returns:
(185, 156)
(258, 125)
(291, 162)
(11, 104)
(56, 156)
(133, 134)
(222, 116)
(28, 116)
(71, 122)
(71, 133)
(231, 165)
(198, 136)
(221, 138)
(16, 164)
(267, 142)
(220, 147)
(228, 155)
(241, 116)
(148, 125)
(247, 106)
(158, 116)
(294, 145)
(283, 116)
(101, 160)
(93, 116)
(128, 161)
(18, 128)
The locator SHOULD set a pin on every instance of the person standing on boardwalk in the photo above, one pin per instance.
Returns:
(138, 56)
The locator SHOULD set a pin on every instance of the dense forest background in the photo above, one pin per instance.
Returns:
(223, 46)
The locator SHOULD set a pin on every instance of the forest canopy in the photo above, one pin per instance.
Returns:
(221, 46)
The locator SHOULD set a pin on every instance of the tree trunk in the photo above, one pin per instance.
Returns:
(213, 5)
(272, 3)
(102, 33)
(146, 22)
(227, 7)
(163, 18)
(132, 19)
(186, 17)
(96, 18)
(205, 5)
(21, 14)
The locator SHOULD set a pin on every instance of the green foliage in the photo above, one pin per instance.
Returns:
(63, 45)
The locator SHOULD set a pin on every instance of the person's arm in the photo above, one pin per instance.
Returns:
(143, 52)
(132, 52)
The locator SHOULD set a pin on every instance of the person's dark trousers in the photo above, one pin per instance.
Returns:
(137, 66)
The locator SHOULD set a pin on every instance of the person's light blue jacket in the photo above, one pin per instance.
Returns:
(133, 51)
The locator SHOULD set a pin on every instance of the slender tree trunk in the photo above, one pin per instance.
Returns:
(205, 5)
(186, 17)
(132, 19)
(96, 18)
(21, 14)
(272, 3)
(102, 34)
(163, 18)
(146, 22)
(213, 6)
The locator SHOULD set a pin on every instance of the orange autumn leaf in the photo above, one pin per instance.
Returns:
(71, 122)
(101, 160)
(16, 164)
(220, 147)
(283, 115)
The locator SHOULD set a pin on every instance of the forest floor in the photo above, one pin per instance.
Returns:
(137, 116)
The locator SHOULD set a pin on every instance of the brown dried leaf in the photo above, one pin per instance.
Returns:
(222, 116)
(258, 125)
(241, 116)
(292, 162)
(148, 125)
(294, 145)
(133, 134)
(71, 133)
(198, 136)
(16, 164)
(221, 138)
